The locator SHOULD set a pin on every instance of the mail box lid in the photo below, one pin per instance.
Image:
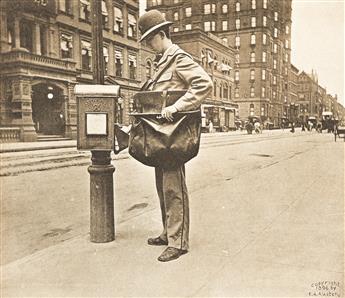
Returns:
(97, 90)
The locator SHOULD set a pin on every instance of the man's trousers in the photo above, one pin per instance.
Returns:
(174, 202)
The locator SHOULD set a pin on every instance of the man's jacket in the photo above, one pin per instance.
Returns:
(179, 71)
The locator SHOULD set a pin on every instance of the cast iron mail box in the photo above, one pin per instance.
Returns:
(96, 116)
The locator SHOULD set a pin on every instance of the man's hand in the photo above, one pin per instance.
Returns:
(168, 112)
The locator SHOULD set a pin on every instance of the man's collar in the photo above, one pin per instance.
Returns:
(168, 52)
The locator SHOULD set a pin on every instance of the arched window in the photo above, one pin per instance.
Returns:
(226, 91)
(215, 62)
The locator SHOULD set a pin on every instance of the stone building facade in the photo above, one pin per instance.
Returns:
(45, 50)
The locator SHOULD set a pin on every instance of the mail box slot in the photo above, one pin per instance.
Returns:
(96, 116)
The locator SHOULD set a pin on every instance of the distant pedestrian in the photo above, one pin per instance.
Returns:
(292, 127)
(303, 127)
(210, 126)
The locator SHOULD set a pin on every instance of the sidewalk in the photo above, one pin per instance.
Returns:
(31, 146)
(244, 243)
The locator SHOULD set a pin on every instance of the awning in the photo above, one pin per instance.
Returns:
(132, 59)
(118, 55)
(118, 14)
(132, 20)
(104, 8)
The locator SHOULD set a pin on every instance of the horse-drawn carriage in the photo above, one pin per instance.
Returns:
(339, 131)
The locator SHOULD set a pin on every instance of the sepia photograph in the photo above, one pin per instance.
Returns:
(172, 148)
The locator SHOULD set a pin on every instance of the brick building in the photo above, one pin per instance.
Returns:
(45, 49)
(260, 33)
(292, 110)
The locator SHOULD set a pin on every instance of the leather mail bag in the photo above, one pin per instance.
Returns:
(157, 142)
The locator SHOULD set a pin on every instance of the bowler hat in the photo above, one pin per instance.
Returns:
(151, 21)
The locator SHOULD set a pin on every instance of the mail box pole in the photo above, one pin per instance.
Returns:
(102, 227)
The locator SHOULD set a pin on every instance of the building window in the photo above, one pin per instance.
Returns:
(210, 26)
(275, 48)
(264, 56)
(238, 6)
(274, 94)
(104, 14)
(252, 74)
(209, 7)
(263, 74)
(264, 4)
(106, 59)
(226, 91)
(175, 16)
(274, 80)
(287, 29)
(274, 64)
(86, 55)
(251, 109)
(237, 58)
(237, 75)
(276, 16)
(85, 10)
(237, 41)
(224, 8)
(286, 44)
(65, 6)
(188, 26)
(253, 4)
(148, 70)
(225, 25)
(252, 92)
(175, 29)
(275, 34)
(264, 39)
(264, 21)
(286, 57)
(118, 20)
(285, 70)
(66, 45)
(253, 22)
(237, 93)
(132, 25)
(132, 63)
(188, 11)
(118, 63)
(263, 92)
(238, 23)
(252, 57)
(252, 39)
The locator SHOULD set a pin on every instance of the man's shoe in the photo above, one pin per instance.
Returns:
(156, 241)
(171, 253)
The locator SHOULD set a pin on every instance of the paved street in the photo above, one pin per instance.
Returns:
(267, 219)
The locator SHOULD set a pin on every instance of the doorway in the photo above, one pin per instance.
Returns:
(48, 111)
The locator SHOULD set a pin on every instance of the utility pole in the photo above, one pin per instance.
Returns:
(102, 227)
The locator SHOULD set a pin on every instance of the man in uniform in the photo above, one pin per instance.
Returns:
(177, 70)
